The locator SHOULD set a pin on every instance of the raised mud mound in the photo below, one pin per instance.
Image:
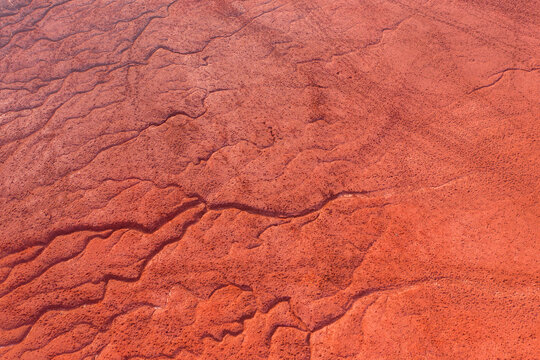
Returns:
(283, 179)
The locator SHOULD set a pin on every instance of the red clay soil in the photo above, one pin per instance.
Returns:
(283, 179)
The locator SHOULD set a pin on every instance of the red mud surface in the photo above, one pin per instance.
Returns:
(283, 179)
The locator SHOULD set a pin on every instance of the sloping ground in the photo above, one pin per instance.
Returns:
(283, 179)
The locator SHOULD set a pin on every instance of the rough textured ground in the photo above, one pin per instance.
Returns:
(281, 179)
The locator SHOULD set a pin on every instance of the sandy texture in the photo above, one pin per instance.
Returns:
(283, 179)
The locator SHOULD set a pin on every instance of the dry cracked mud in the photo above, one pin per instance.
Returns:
(277, 179)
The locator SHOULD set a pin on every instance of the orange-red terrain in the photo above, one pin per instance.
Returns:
(274, 179)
